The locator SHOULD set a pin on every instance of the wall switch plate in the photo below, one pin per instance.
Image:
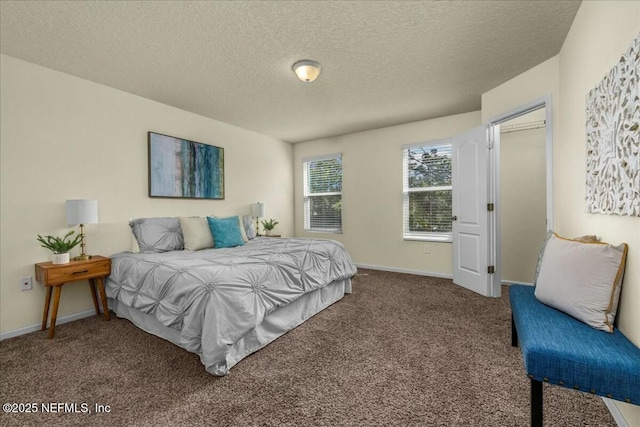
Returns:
(25, 284)
(427, 249)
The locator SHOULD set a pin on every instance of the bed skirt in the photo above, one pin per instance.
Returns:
(274, 325)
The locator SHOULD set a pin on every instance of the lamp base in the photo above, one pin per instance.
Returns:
(82, 257)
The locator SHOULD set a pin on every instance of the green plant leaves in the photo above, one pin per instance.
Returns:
(60, 245)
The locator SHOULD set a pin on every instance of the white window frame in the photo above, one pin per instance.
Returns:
(308, 195)
(420, 235)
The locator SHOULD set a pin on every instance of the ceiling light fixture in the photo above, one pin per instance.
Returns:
(307, 70)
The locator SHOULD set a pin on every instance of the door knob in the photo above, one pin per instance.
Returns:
(454, 218)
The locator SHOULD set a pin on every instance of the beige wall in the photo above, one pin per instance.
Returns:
(523, 193)
(372, 193)
(539, 81)
(63, 137)
(601, 32)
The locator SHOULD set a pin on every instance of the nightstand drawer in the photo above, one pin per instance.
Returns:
(74, 271)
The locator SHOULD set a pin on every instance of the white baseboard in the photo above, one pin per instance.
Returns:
(59, 321)
(615, 412)
(513, 282)
(406, 271)
(428, 273)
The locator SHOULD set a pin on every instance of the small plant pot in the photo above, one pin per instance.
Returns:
(268, 232)
(60, 258)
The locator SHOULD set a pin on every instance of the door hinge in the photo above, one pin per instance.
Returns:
(489, 139)
(490, 207)
(491, 269)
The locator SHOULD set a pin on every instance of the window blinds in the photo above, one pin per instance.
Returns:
(427, 192)
(323, 194)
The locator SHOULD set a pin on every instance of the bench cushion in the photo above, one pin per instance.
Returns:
(561, 350)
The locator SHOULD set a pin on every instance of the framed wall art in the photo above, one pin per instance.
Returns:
(184, 169)
(613, 139)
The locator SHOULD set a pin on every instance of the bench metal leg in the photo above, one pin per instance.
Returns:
(514, 333)
(536, 403)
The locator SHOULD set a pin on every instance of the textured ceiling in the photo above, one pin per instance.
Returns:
(383, 62)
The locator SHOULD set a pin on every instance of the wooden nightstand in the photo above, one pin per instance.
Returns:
(272, 235)
(54, 276)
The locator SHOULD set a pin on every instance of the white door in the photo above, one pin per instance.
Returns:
(472, 248)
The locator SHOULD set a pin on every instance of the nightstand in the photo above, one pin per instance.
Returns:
(54, 276)
(272, 235)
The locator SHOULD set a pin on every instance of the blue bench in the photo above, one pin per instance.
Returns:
(561, 350)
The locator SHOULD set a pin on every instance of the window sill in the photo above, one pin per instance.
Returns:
(324, 231)
(428, 239)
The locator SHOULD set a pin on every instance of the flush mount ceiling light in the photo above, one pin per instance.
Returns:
(307, 70)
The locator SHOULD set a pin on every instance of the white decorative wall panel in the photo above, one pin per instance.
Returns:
(613, 139)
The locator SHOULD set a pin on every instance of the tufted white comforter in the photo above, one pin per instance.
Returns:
(214, 297)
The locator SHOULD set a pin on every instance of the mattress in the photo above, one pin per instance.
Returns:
(224, 304)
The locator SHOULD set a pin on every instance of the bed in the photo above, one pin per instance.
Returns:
(224, 304)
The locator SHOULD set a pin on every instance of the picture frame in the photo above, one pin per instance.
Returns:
(184, 169)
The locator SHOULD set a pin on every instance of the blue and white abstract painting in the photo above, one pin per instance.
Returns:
(184, 169)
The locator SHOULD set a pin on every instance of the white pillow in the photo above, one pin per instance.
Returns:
(582, 280)
(588, 238)
(248, 227)
(159, 234)
(135, 248)
(196, 232)
(243, 232)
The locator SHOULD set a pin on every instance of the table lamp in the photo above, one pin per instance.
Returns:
(257, 211)
(81, 212)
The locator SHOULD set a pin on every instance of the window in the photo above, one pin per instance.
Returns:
(323, 194)
(427, 192)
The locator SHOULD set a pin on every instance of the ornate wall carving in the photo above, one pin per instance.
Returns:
(613, 139)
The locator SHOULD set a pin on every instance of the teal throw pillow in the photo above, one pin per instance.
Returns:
(226, 232)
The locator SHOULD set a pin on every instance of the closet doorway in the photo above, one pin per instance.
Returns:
(523, 194)
(528, 190)
(527, 221)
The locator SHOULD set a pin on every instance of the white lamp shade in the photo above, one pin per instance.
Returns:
(82, 211)
(257, 210)
(306, 70)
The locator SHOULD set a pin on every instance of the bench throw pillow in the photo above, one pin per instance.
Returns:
(587, 238)
(582, 280)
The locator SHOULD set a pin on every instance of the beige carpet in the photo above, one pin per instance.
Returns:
(401, 350)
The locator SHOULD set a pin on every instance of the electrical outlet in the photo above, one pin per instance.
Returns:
(427, 249)
(25, 284)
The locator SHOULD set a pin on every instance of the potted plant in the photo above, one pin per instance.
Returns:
(269, 225)
(60, 246)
